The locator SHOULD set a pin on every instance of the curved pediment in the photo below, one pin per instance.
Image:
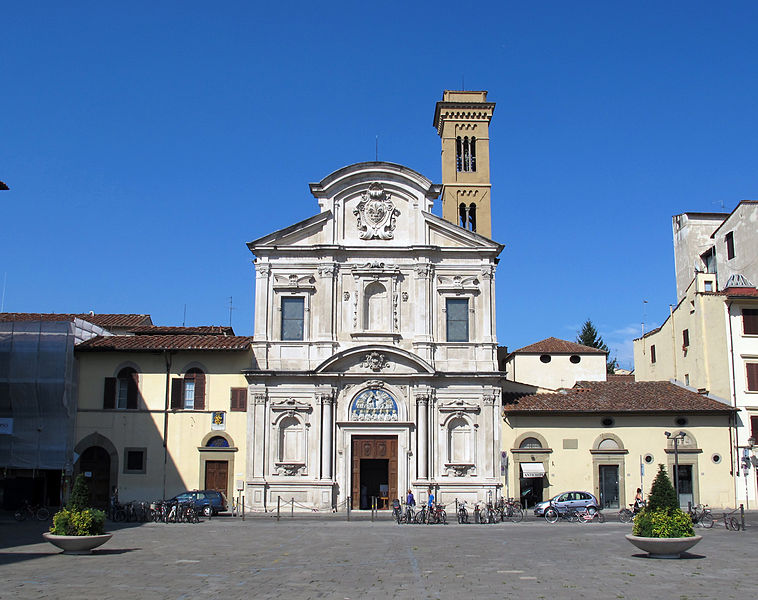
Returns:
(375, 360)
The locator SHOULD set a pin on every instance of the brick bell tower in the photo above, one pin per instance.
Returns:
(462, 120)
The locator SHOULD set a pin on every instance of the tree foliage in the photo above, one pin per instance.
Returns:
(589, 336)
(662, 494)
(79, 499)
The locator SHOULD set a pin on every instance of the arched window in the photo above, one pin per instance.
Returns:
(530, 442)
(462, 215)
(217, 442)
(459, 441)
(472, 217)
(473, 153)
(608, 444)
(375, 307)
(126, 388)
(466, 155)
(193, 396)
(291, 440)
(458, 154)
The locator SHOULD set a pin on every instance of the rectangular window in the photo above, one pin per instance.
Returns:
(457, 319)
(293, 311)
(652, 354)
(686, 379)
(750, 321)
(729, 239)
(709, 260)
(686, 338)
(189, 394)
(134, 460)
(752, 377)
(754, 428)
(708, 286)
(238, 399)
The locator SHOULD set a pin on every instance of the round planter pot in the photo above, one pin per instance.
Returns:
(664, 547)
(77, 544)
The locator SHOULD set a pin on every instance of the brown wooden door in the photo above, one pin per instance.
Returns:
(217, 475)
(374, 447)
(95, 463)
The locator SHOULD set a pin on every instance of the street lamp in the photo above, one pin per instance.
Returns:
(747, 451)
(678, 437)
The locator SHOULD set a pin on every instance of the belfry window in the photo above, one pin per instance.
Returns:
(465, 154)
(467, 216)
(471, 217)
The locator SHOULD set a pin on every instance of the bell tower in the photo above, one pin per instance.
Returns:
(462, 120)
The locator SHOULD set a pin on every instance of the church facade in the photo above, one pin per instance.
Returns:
(375, 364)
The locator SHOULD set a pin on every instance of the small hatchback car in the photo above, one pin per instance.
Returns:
(209, 502)
(566, 501)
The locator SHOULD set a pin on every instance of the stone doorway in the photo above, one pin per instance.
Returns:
(95, 463)
(217, 476)
(374, 470)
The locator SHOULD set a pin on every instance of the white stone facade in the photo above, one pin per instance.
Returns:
(374, 337)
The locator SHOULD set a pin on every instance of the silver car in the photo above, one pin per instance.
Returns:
(565, 501)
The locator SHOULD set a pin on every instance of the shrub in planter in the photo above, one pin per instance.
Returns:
(662, 517)
(77, 518)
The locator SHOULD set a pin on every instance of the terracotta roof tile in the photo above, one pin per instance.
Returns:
(619, 397)
(153, 343)
(200, 330)
(103, 319)
(557, 346)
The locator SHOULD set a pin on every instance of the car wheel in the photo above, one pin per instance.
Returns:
(208, 510)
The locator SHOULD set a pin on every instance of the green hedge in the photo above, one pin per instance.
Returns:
(663, 523)
(89, 521)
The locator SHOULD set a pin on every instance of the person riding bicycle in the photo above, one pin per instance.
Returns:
(638, 501)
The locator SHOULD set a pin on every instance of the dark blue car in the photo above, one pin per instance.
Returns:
(209, 502)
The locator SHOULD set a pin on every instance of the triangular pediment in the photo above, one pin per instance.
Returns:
(303, 233)
(445, 234)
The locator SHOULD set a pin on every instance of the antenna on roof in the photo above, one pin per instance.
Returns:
(184, 318)
(231, 308)
(720, 203)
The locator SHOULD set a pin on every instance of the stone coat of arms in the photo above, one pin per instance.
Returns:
(376, 214)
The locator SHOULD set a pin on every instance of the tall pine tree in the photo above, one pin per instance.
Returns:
(588, 336)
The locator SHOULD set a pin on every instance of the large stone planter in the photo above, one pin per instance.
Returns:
(77, 544)
(664, 547)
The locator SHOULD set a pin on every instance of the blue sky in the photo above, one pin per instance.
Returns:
(145, 143)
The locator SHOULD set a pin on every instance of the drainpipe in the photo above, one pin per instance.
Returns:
(673, 339)
(167, 356)
(733, 384)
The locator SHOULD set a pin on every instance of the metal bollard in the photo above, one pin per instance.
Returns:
(742, 516)
(278, 505)
(349, 506)
(243, 507)
(456, 508)
(373, 507)
(292, 514)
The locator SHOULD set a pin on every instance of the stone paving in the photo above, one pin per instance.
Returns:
(328, 557)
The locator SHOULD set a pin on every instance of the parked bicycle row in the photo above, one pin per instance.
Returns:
(171, 511)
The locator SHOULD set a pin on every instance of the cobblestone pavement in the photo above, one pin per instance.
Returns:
(330, 558)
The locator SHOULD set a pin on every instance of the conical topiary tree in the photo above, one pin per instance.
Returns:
(79, 499)
(662, 494)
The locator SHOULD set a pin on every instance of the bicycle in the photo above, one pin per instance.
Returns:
(27, 511)
(509, 510)
(701, 515)
(437, 514)
(462, 513)
(409, 514)
(552, 514)
(590, 514)
(421, 515)
(627, 515)
(397, 513)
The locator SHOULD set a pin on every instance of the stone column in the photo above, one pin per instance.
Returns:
(326, 400)
(422, 439)
(492, 425)
(259, 433)
(487, 335)
(262, 272)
